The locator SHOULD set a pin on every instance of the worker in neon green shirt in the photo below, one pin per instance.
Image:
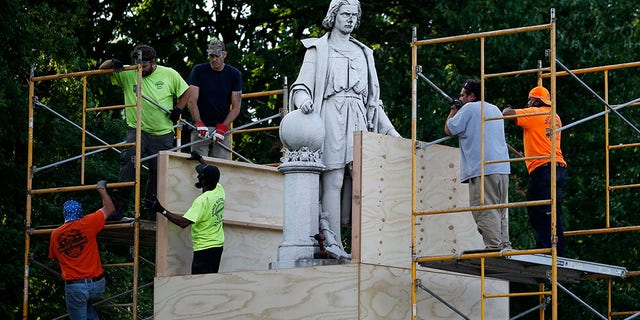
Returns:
(205, 218)
(161, 85)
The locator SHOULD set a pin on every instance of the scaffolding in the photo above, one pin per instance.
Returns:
(525, 266)
(136, 232)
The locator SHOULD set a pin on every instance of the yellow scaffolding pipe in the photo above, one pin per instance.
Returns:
(106, 227)
(483, 34)
(554, 147)
(135, 224)
(519, 294)
(543, 73)
(27, 236)
(595, 69)
(494, 254)
(30, 191)
(414, 107)
(78, 188)
(484, 207)
(484, 75)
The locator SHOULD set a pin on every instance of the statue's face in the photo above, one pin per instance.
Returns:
(346, 19)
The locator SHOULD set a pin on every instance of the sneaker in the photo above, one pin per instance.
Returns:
(504, 250)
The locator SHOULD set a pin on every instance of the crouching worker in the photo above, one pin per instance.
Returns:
(204, 216)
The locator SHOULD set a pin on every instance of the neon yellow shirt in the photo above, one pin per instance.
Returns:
(206, 214)
(161, 86)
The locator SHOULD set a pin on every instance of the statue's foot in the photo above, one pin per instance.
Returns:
(337, 252)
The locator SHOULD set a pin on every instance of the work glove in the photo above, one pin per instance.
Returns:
(102, 184)
(457, 104)
(221, 130)
(175, 114)
(203, 131)
(117, 65)
(152, 204)
(195, 156)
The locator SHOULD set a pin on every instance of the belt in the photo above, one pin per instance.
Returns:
(347, 95)
(85, 280)
(558, 164)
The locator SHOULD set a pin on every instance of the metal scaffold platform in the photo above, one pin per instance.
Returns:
(530, 268)
(542, 266)
(116, 232)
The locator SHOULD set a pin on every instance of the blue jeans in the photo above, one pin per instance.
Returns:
(80, 298)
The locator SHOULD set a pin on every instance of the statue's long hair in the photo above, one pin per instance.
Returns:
(330, 18)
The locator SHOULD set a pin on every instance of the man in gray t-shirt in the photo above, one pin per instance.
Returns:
(465, 121)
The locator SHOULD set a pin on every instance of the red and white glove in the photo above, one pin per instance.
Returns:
(221, 130)
(202, 129)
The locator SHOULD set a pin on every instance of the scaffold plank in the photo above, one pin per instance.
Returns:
(529, 268)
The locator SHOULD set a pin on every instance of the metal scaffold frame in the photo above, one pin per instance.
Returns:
(546, 257)
(31, 229)
(31, 171)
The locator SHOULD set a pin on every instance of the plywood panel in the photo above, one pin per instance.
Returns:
(385, 293)
(437, 175)
(376, 286)
(252, 218)
(249, 248)
(354, 291)
(385, 233)
(463, 293)
(386, 202)
(178, 250)
(328, 292)
(245, 249)
(255, 193)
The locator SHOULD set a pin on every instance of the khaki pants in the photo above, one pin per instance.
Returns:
(493, 224)
(210, 148)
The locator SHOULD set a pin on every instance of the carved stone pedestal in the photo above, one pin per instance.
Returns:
(302, 136)
(301, 207)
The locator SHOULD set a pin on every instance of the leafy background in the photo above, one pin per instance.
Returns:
(62, 36)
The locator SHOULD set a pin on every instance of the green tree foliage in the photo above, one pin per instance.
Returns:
(262, 38)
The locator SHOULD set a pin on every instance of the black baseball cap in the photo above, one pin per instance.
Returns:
(209, 173)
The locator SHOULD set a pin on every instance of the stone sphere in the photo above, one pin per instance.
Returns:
(298, 130)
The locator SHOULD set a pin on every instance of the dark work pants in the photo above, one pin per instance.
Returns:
(150, 145)
(206, 261)
(539, 188)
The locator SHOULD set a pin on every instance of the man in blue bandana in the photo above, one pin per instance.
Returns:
(74, 246)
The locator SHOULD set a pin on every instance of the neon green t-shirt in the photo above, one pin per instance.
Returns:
(206, 214)
(161, 86)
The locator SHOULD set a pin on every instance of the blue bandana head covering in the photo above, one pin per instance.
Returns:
(72, 210)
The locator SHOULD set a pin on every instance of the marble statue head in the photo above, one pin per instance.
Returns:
(334, 6)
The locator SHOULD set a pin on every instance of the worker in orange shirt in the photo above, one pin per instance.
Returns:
(74, 246)
(537, 142)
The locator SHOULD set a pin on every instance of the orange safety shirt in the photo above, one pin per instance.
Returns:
(537, 136)
(74, 246)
